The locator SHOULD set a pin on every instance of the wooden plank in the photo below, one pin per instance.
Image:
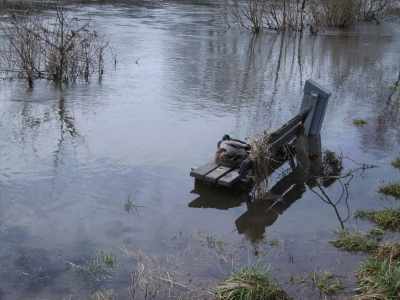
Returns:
(200, 172)
(216, 174)
(278, 144)
(288, 126)
(230, 179)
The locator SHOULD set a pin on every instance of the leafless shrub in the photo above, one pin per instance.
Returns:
(286, 15)
(335, 13)
(299, 14)
(375, 10)
(56, 44)
(246, 14)
(259, 14)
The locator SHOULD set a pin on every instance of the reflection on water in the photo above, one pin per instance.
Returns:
(70, 156)
(306, 169)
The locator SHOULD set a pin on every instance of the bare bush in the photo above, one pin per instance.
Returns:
(335, 13)
(243, 13)
(56, 45)
(375, 10)
(259, 14)
(299, 14)
(286, 15)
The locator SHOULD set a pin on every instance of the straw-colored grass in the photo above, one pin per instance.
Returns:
(260, 155)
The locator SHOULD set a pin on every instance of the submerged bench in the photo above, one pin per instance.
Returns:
(307, 121)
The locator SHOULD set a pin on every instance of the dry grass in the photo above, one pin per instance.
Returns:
(261, 157)
(333, 164)
(183, 272)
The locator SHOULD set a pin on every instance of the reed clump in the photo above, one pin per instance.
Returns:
(359, 122)
(261, 157)
(252, 283)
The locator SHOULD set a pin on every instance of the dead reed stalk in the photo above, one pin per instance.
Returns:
(261, 156)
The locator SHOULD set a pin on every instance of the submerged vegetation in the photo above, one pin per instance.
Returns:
(391, 189)
(326, 282)
(95, 267)
(359, 122)
(379, 275)
(358, 241)
(396, 162)
(129, 205)
(387, 219)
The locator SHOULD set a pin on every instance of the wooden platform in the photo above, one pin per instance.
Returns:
(213, 174)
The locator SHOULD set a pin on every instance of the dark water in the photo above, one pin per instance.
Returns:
(71, 156)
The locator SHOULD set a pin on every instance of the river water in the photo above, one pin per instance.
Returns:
(71, 156)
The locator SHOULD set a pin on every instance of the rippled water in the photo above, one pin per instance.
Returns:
(70, 157)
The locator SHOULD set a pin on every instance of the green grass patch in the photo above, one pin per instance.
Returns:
(94, 268)
(388, 218)
(396, 162)
(326, 282)
(359, 122)
(129, 205)
(250, 283)
(391, 189)
(379, 276)
(358, 241)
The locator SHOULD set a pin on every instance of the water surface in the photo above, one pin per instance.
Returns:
(71, 156)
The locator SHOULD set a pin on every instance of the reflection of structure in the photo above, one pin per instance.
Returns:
(307, 168)
(210, 197)
(284, 193)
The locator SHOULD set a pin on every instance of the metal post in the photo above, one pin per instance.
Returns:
(317, 96)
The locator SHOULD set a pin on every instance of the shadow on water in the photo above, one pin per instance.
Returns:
(305, 171)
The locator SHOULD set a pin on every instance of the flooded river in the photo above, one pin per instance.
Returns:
(71, 156)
